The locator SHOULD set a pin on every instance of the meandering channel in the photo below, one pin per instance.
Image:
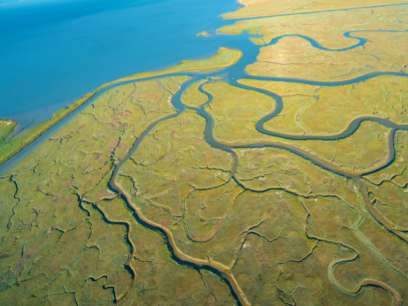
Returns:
(234, 73)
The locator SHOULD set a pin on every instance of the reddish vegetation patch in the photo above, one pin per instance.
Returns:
(165, 221)
(285, 207)
(181, 206)
(70, 183)
(98, 155)
(18, 266)
(331, 227)
(58, 198)
(115, 124)
(176, 210)
(319, 122)
(251, 205)
(81, 127)
(95, 180)
(293, 170)
(259, 154)
(112, 144)
(100, 193)
(30, 252)
(263, 258)
(153, 96)
(331, 188)
(125, 114)
(211, 301)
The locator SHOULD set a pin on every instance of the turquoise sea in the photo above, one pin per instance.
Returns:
(54, 51)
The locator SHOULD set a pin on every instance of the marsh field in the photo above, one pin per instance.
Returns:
(272, 172)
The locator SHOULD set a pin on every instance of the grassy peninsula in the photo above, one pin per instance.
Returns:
(225, 57)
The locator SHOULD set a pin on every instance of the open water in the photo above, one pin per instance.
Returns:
(54, 51)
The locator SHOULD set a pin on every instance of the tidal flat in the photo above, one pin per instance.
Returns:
(222, 182)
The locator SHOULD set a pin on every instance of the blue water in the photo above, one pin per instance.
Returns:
(53, 52)
(59, 51)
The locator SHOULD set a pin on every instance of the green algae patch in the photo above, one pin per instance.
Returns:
(193, 97)
(260, 8)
